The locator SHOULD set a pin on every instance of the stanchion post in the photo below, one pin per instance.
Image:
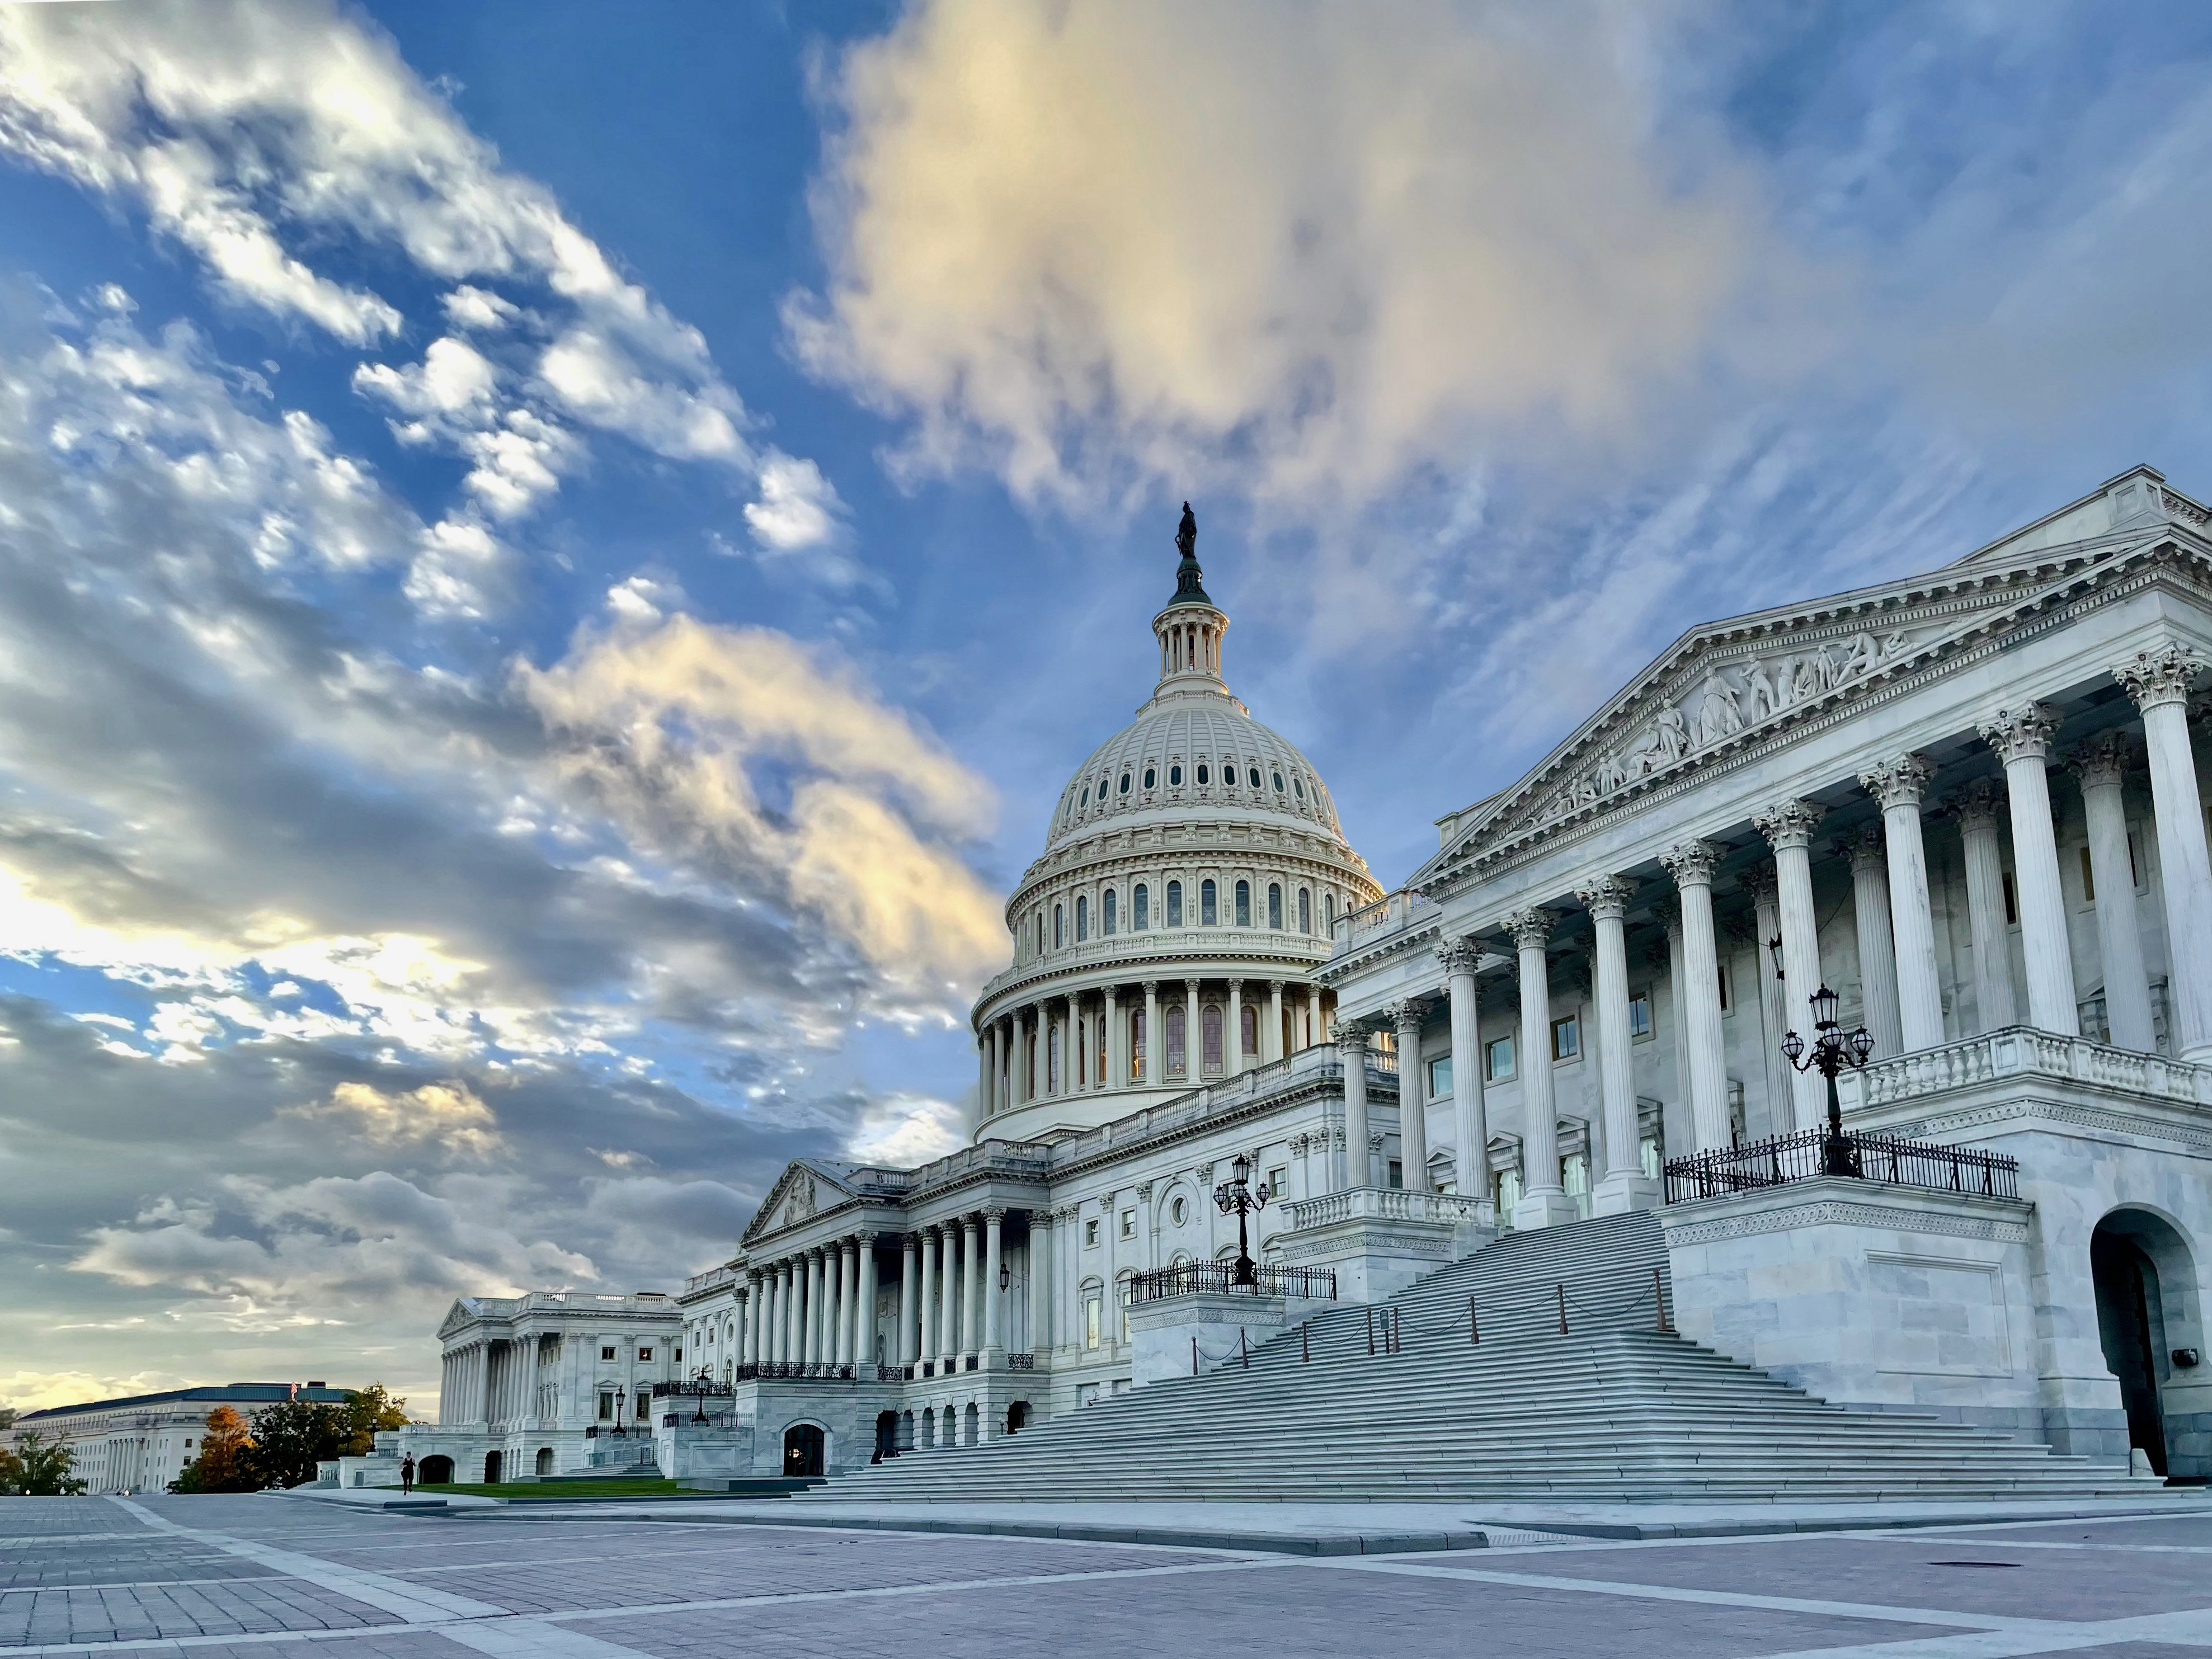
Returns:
(1193, 1356)
(1659, 1295)
(1370, 1332)
(1474, 1330)
(1562, 1290)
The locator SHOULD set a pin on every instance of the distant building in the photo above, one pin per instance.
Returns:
(141, 1442)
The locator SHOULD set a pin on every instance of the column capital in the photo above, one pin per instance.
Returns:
(1977, 806)
(1237, 985)
(1151, 988)
(1900, 782)
(2160, 675)
(1869, 851)
(1607, 898)
(1351, 1037)
(1275, 986)
(1670, 914)
(1789, 824)
(970, 1221)
(1691, 863)
(2021, 733)
(1762, 881)
(1190, 986)
(994, 1213)
(1111, 993)
(1461, 956)
(1531, 928)
(1408, 1013)
(2103, 762)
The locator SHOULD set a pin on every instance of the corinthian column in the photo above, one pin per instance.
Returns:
(2102, 765)
(1897, 786)
(1116, 1069)
(2159, 681)
(1624, 1185)
(1691, 865)
(2021, 738)
(1977, 808)
(1351, 1048)
(1155, 1039)
(1412, 1096)
(1789, 829)
(1471, 1133)
(1544, 1200)
(1870, 910)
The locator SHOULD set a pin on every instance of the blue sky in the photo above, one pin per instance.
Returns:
(553, 557)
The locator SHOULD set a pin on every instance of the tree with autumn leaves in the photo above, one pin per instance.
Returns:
(286, 1440)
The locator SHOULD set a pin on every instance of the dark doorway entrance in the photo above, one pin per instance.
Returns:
(802, 1449)
(1017, 1417)
(887, 1424)
(434, 1471)
(491, 1468)
(2132, 1330)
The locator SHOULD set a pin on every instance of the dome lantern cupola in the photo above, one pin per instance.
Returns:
(1190, 629)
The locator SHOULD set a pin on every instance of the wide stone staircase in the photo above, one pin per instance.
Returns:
(1464, 1387)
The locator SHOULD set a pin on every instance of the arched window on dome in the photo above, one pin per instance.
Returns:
(1125, 783)
(1209, 914)
(1229, 776)
(1201, 774)
(1150, 777)
(1279, 783)
(1178, 1048)
(1298, 787)
(1249, 1036)
(1085, 801)
(1275, 905)
(1175, 904)
(1058, 927)
(1140, 908)
(1082, 917)
(1106, 918)
(1136, 1045)
(1305, 909)
(1243, 904)
(1209, 1022)
(1252, 776)
(1174, 777)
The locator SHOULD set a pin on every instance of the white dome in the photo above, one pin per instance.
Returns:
(1151, 770)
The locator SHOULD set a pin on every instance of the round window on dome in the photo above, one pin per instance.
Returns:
(1125, 783)
(1279, 783)
(1149, 776)
(1253, 776)
(1174, 777)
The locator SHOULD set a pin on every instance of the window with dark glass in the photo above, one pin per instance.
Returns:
(1566, 1037)
(1639, 1014)
(1249, 1035)
(1201, 774)
(1208, 912)
(1209, 1022)
(1082, 918)
(1275, 905)
(1125, 783)
(1149, 775)
(1278, 782)
(1136, 1043)
(1175, 904)
(1107, 917)
(1252, 776)
(1305, 909)
(1174, 777)
(1085, 801)
(1178, 1049)
(1058, 927)
(1497, 1055)
(1243, 904)
(1298, 787)
(1140, 907)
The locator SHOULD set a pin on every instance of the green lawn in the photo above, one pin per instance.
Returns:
(565, 1488)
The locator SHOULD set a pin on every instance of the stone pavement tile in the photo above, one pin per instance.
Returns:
(2175, 1529)
(1295, 1612)
(1900, 1571)
(191, 1610)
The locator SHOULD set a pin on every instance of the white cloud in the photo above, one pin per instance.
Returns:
(1306, 248)
(449, 1114)
(798, 508)
(469, 307)
(901, 1130)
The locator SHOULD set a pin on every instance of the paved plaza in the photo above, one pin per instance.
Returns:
(257, 1575)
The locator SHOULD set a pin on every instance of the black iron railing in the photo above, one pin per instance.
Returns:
(781, 1371)
(1021, 1362)
(1804, 1156)
(697, 1386)
(1190, 1277)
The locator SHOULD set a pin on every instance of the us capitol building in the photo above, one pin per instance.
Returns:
(1963, 808)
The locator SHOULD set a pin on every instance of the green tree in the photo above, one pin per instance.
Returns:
(292, 1437)
(39, 1467)
(224, 1462)
(367, 1412)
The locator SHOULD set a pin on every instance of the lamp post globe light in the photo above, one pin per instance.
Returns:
(1830, 1051)
(1238, 1197)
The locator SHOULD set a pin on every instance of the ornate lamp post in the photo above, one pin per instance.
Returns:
(1829, 1052)
(620, 1432)
(703, 1377)
(1238, 1197)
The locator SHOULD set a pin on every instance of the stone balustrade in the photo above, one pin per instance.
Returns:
(2020, 1051)
(1390, 1204)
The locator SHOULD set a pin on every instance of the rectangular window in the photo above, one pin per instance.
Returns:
(1128, 1224)
(644, 1408)
(1108, 912)
(1243, 904)
(677, 1357)
(1566, 1038)
(2089, 879)
(1275, 905)
(1639, 1014)
(1175, 904)
(1279, 1181)
(1305, 909)
(1209, 913)
(1140, 907)
(1648, 1156)
(1499, 1054)
(606, 1354)
(1082, 918)
(1397, 1176)
(1136, 1045)
(1090, 1233)
(1178, 1050)
(1093, 1311)
(1209, 1022)
(1574, 1175)
(1507, 1184)
(645, 1355)
(2012, 902)
(606, 1407)
(1440, 1077)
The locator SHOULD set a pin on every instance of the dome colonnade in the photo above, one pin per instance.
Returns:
(1190, 886)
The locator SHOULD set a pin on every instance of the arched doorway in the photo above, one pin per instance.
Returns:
(434, 1471)
(802, 1449)
(2145, 1281)
(491, 1468)
(973, 1423)
(887, 1428)
(545, 1459)
(1017, 1417)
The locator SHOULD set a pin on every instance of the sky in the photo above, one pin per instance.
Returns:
(554, 557)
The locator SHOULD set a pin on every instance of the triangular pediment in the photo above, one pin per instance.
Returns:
(803, 1190)
(1726, 686)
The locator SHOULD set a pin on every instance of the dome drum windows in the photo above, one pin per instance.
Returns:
(1275, 905)
(1243, 904)
(1209, 914)
(1174, 777)
(1082, 918)
(1278, 782)
(1252, 775)
(1140, 908)
(1305, 909)
(1201, 774)
(1150, 776)
(1125, 783)
(1175, 904)
(1058, 927)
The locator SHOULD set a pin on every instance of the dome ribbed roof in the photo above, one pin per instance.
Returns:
(1131, 777)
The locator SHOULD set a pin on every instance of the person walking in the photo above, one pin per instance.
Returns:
(407, 1475)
